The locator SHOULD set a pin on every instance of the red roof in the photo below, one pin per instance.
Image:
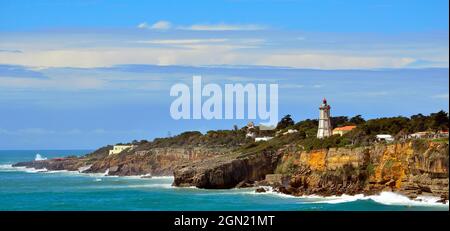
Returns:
(345, 128)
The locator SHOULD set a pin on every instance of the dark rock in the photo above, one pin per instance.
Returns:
(260, 190)
(225, 171)
(244, 184)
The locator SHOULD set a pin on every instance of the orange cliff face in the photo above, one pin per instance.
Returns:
(393, 165)
(316, 160)
(415, 167)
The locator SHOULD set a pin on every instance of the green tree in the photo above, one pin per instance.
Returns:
(338, 121)
(439, 120)
(417, 123)
(285, 122)
(357, 120)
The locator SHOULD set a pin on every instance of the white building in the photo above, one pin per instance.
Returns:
(251, 130)
(290, 131)
(384, 137)
(419, 135)
(343, 130)
(265, 138)
(324, 120)
(119, 148)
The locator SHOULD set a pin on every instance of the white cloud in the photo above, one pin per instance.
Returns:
(205, 48)
(66, 83)
(160, 25)
(223, 27)
(197, 54)
(292, 86)
(183, 41)
(332, 61)
(165, 25)
(207, 43)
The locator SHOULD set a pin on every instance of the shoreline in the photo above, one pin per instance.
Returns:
(384, 197)
(44, 170)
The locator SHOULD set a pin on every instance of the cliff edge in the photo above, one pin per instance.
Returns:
(412, 168)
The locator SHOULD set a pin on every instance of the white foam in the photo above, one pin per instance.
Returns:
(335, 199)
(84, 168)
(98, 176)
(387, 198)
(162, 177)
(390, 198)
(252, 191)
(10, 168)
(33, 170)
(7, 168)
(39, 157)
(61, 171)
(145, 176)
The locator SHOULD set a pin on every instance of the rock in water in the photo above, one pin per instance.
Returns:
(260, 190)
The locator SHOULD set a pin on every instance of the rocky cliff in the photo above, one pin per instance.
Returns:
(226, 171)
(412, 168)
(138, 161)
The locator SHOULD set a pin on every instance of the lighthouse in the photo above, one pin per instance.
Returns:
(324, 121)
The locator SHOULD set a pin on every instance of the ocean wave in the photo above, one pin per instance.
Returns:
(240, 191)
(7, 168)
(390, 198)
(334, 199)
(10, 168)
(39, 157)
(162, 177)
(386, 198)
(61, 171)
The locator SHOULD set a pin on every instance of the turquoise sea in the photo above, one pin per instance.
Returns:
(30, 189)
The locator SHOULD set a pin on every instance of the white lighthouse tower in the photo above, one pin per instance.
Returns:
(324, 120)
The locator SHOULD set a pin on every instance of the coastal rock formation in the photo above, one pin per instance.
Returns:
(69, 164)
(411, 168)
(153, 161)
(226, 171)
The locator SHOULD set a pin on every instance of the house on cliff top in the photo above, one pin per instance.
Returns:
(342, 130)
(120, 148)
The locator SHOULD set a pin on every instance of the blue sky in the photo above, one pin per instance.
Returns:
(81, 74)
(309, 15)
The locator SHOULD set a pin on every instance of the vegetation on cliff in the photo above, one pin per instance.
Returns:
(363, 135)
(305, 138)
